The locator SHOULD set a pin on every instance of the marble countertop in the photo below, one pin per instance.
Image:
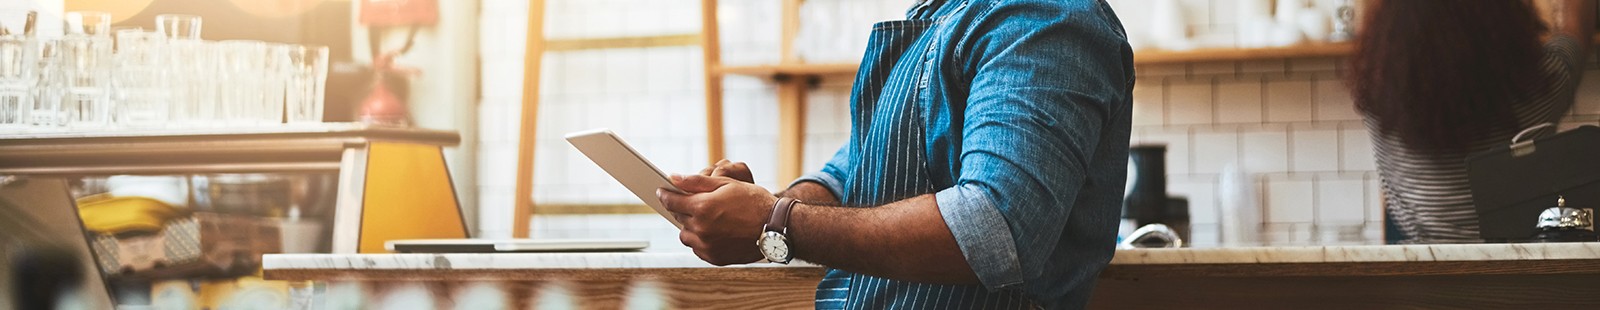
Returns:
(1238, 255)
(496, 261)
(1363, 254)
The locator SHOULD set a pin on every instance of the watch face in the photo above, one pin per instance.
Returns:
(775, 247)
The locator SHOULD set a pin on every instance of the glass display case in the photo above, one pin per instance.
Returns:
(186, 214)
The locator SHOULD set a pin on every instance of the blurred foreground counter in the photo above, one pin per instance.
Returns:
(1348, 277)
(542, 281)
(1477, 276)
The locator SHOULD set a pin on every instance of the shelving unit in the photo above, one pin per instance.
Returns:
(791, 74)
(793, 77)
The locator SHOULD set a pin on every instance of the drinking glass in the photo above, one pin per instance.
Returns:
(142, 79)
(47, 113)
(242, 81)
(307, 76)
(117, 34)
(87, 23)
(178, 26)
(84, 66)
(191, 68)
(274, 71)
(193, 64)
(16, 81)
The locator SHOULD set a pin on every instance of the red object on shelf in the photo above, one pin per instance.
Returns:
(382, 105)
(399, 12)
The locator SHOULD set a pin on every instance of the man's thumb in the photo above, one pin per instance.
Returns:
(699, 183)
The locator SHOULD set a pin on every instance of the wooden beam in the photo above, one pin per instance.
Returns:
(791, 99)
(712, 54)
(791, 128)
(790, 21)
(523, 209)
(772, 71)
(576, 209)
(559, 45)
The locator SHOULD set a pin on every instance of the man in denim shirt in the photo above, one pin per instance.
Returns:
(985, 166)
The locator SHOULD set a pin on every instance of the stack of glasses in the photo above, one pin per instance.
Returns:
(95, 79)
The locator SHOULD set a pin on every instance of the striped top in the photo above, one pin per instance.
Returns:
(1429, 197)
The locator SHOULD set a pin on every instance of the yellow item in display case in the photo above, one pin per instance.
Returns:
(115, 215)
(245, 293)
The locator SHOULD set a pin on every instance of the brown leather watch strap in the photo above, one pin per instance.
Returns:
(780, 214)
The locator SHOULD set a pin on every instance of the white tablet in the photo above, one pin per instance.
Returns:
(619, 160)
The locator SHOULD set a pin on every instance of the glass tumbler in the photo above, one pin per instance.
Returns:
(47, 111)
(178, 26)
(142, 78)
(193, 69)
(16, 82)
(87, 23)
(193, 72)
(307, 77)
(273, 70)
(242, 88)
(84, 67)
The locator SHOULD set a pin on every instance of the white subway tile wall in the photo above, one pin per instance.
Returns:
(1316, 147)
(1189, 102)
(1239, 101)
(1265, 149)
(1213, 149)
(1288, 99)
(1289, 123)
(502, 32)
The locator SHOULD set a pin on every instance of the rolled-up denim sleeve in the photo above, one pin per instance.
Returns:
(1044, 77)
(982, 233)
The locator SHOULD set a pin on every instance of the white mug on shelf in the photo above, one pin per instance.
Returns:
(1288, 11)
(1254, 32)
(1315, 24)
(1249, 9)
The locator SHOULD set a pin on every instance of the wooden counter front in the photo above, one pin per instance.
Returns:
(550, 280)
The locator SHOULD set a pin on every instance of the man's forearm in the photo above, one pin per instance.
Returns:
(811, 192)
(906, 240)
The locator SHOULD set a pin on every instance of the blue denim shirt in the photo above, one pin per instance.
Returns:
(1015, 114)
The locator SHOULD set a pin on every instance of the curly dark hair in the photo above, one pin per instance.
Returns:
(1440, 73)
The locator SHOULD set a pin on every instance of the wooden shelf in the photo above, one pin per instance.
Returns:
(1153, 57)
(1156, 57)
(1144, 57)
(1149, 57)
(794, 69)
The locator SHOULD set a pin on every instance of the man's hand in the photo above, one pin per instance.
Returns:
(722, 216)
(732, 169)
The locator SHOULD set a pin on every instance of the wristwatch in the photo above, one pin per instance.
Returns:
(774, 240)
